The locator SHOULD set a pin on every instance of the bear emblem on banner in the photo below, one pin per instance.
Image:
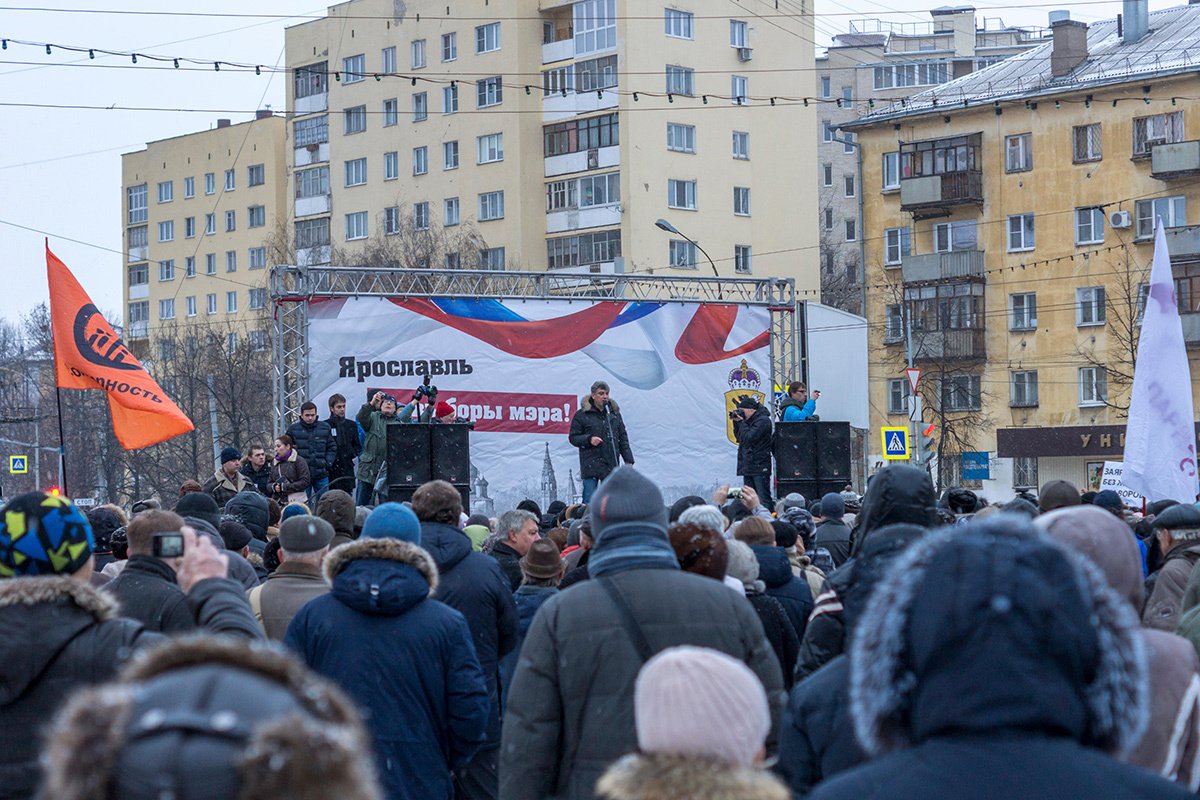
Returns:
(742, 380)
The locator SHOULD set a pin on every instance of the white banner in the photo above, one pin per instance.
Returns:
(1113, 479)
(518, 369)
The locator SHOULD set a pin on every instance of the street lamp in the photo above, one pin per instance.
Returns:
(662, 224)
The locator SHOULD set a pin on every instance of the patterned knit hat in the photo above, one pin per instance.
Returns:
(43, 534)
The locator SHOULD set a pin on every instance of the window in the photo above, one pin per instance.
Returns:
(139, 312)
(191, 305)
(258, 299)
(449, 46)
(421, 216)
(741, 201)
(1020, 232)
(231, 341)
(738, 33)
(585, 134)
(826, 131)
(928, 73)
(679, 80)
(354, 69)
(1089, 226)
(827, 174)
(450, 99)
(354, 120)
(189, 188)
(561, 195)
(257, 216)
(490, 148)
(1023, 388)
(960, 393)
(256, 175)
(741, 259)
(848, 186)
(827, 214)
(166, 309)
(420, 106)
(1089, 306)
(137, 200)
(450, 215)
(1025, 472)
(417, 51)
(231, 302)
(739, 89)
(1018, 152)
(312, 233)
(1085, 143)
(681, 254)
(950, 236)
(166, 231)
(356, 225)
(420, 160)
(138, 237)
(230, 180)
(851, 230)
(893, 330)
(311, 131)
(258, 340)
(189, 267)
(847, 95)
(1022, 311)
(166, 270)
(681, 194)
(491, 206)
(211, 303)
(391, 166)
(679, 24)
(452, 261)
(312, 182)
(311, 80)
(1173, 211)
(258, 257)
(681, 138)
(487, 38)
(450, 155)
(600, 190)
(848, 142)
(230, 221)
(897, 244)
(189, 227)
(231, 260)
(1093, 386)
(210, 263)
(891, 171)
(1158, 129)
(491, 258)
(391, 221)
(826, 86)
(391, 112)
(596, 74)
(356, 172)
(488, 92)
(166, 191)
(210, 183)
(595, 24)
(583, 250)
(559, 80)
(899, 392)
(387, 60)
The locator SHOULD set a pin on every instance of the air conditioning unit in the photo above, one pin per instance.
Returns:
(1120, 219)
(593, 159)
(745, 53)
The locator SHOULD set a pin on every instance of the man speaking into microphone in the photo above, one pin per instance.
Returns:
(599, 432)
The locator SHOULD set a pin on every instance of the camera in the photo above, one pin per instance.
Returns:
(425, 390)
(736, 415)
(735, 492)
(168, 545)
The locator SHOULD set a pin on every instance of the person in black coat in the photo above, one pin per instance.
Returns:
(991, 664)
(775, 571)
(752, 430)
(473, 584)
(778, 627)
(517, 530)
(406, 660)
(346, 441)
(832, 533)
(599, 432)
(316, 444)
(257, 469)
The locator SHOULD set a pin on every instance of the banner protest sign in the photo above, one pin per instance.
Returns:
(1113, 479)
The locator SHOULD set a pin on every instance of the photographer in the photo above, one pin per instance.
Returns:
(373, 417)
(798, 406)
(599, 432)
(752, 429)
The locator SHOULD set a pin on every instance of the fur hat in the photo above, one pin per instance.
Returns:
(699, 549)
(201, 717)
(43, 534)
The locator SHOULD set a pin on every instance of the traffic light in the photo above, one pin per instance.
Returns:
(925, 443)
(53, 491)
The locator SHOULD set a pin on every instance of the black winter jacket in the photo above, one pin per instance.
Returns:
(754, 444)
(780, 633)
(834, 536)
(259, 477)
(817, 739)
(793, 593)
(596, 461)
(316, 445)
(147, 591)
(346, 446)
(510, 563)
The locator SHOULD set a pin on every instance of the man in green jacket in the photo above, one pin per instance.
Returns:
(373, 417)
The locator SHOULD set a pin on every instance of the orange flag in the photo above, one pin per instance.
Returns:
(88, 354)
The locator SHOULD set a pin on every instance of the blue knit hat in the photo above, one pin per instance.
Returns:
(292, 510)
(392, 521)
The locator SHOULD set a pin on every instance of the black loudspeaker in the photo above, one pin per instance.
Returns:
(403, 492)
(812, 490)
(796, 451)
(408, 454)
(450, 453)
(833, 452)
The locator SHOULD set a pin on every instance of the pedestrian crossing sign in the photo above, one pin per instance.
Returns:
(18, 465)
(895, 443)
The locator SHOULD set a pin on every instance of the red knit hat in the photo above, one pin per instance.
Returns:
(443, 409)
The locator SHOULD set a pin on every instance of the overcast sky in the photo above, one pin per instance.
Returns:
(60, 168)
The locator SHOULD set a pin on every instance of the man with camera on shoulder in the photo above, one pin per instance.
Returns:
(752, 430)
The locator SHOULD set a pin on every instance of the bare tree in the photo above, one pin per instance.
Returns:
(403, 241)
(1123, 306)
(839, 288)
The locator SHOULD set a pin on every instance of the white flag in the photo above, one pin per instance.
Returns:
(1160, 435)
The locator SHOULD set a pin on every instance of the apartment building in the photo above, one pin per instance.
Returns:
(1009, 218)
(876, 63)
(199, 212)
(553, 137)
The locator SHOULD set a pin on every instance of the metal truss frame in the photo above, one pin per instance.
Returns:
(292, 287)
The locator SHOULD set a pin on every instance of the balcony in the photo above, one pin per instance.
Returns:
(1183, 243)
(556, 107)
(306, 206)
(614, 267)
(942, 266)
(138, 253)
(310, 154)
(573, 219)
(139, 291)
(949, 345)
(138, 330)
(1175, 160)
(936, 195)
(598, 158)
(559, 50)
(312, 256)
(1191, 328)
(311, 104)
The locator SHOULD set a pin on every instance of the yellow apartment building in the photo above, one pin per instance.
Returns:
(1009, 216)
(553, 136)
(199, 212)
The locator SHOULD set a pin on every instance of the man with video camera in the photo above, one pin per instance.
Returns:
(435, 411)
(752, 430)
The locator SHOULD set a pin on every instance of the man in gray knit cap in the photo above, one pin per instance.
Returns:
(567, 718)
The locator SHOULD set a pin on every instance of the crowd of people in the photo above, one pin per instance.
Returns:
(900, 644)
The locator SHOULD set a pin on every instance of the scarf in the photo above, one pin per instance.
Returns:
(631, 545)
(283, 458)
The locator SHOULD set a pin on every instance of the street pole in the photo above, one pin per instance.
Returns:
(913, 401)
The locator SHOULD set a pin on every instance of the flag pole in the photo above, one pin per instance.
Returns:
(62, 444)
